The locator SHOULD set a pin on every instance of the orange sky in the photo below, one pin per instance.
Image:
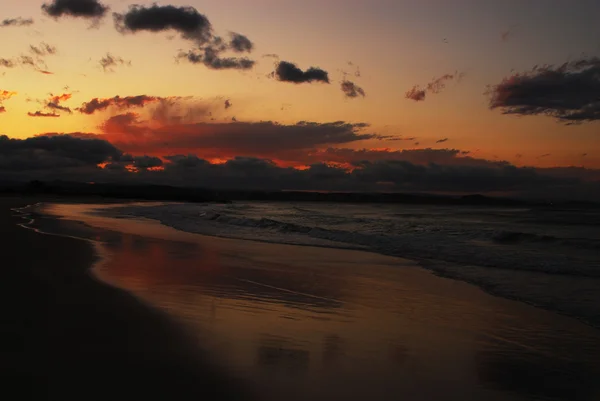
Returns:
(382, 40)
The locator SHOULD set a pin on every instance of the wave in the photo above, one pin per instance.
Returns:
(440, 240)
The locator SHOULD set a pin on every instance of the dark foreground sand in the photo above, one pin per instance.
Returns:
(66, 336)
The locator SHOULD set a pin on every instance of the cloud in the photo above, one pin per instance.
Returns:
(210, 58)
(42, 114)
(415, 94)
(44, 49)
(186, 20)
(351, 90)
(7, 63)
(53, 106)
(436, 86)
(118, 102)
(228, 104)
(109, 61)
(4, 96)
(568, 93)
(240, 43)
(207, 139)
(19, 21)
(442, 140)
(92, 9)
(53, 153)
(289, 72)
(146, 162)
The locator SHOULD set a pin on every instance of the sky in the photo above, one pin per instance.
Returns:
(354, 87)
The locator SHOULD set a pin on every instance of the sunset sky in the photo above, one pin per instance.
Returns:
(382, 48)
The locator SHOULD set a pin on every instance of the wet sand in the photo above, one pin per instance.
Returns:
(304, 323)
(64, 335)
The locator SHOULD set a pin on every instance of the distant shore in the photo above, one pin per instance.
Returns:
(71, 190)
(66, 336)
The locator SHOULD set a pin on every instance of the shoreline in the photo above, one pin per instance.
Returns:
(63, 330)
(429, 265)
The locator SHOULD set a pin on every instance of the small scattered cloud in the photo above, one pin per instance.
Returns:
(351, 90)
(437, 85)
(45, 72)
(5, 95)
(568, 93)
(506, 35)
(442, 140)
(7, 63)
(271, 55)
(19, 21)
(42, 114)
(44, 49)
(415, 93)
(109, 62)
(52, 106)
(118, 102)
(89, 9)
(289, 72)
(228, 104)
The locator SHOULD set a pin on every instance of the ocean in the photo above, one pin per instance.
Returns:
(545, 257)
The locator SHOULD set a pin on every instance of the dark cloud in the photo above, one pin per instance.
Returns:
(42, 114)
(436, 86)
(53, 152)
(146, 162)
(240, 43)
(415, 94)
(19, 21)
(569, 93)
(186, 20)
(93, 9)
(228, 104)
(289, 72)
(118, 102)
(109, 61)
(77, 157)
(442, 140)
(211, 58)
(271, 55)
(351, 90)
(2, 109)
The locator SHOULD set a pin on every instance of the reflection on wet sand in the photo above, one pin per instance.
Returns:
(319, 324)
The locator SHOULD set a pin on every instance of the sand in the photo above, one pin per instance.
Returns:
(64, 335)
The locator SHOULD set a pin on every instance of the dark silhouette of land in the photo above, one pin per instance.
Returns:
(171, 193)
(66, 336)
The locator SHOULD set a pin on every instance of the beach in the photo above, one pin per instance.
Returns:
(128, 308)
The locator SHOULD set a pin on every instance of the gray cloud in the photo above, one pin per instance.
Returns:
(569, 93)
(240, 43)
(210, 57)
(53, 152)
(109, 62)
(93, 9)
(228, 104)
(118, 102)
(44, 49)
(40, 113)
(289, 72)
(442, 140)
(19, 21)
(186, 20)
(351, 90)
